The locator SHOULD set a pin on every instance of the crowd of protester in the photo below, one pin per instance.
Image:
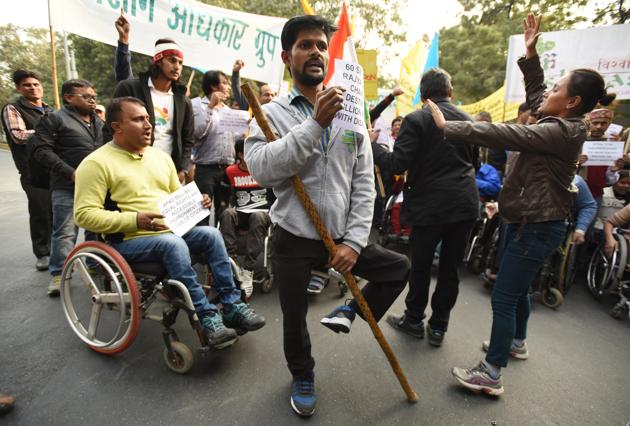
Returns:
(105, 170)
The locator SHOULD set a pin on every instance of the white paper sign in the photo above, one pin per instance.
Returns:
(233, 120)
(350, 77)
(602, 153)
(211, 37)
(613, 130)
(383, 135)
(600, 48)
(182, 209)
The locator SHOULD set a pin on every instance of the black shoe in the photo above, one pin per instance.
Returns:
(435, 336)
(217, 334)
(242, 318)
(403, 324)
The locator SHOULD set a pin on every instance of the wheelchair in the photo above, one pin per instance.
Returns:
(481, 248)
(608, 275)
(119, 295)
(386, 236)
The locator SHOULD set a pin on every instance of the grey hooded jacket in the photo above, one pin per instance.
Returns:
(339, 180)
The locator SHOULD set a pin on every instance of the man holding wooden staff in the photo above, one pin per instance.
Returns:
(336, 168)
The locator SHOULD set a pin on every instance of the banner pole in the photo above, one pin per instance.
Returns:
(53, 57)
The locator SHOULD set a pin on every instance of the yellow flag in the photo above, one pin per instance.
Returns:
(306, 6)
(410, 73)
(494, 104)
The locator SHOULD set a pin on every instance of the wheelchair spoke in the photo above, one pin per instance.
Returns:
(94, 319)
(86, 277)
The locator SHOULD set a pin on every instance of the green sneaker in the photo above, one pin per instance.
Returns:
(242, 318)
(54, 286)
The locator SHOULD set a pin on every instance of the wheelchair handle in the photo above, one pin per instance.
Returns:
(298, 185)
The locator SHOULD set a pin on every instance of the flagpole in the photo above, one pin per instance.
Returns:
(54, 60)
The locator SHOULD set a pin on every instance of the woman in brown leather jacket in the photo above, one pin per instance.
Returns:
(536, 197)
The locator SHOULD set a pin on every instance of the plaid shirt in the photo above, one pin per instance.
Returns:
(15, 124)
(301, 102)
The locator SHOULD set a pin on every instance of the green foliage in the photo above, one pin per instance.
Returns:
(27, 49)
(475, 52)
(613, 13)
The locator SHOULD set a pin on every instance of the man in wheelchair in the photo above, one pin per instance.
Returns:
(118, 189)
(248, 220)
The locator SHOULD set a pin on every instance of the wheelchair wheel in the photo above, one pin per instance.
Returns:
(600, 271)
(180, 359)
(100, 298)
(551, 297)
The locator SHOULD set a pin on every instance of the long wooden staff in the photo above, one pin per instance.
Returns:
(261, 119)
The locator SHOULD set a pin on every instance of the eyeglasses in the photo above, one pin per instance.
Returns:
(84, 96)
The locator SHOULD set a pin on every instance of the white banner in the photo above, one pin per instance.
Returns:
(211, 37)
(605, 49)
(602, 153)
(182, 209)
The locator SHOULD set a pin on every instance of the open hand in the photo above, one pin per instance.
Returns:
(531, 31)
(146, 221)
(327, 103)
(438, 117)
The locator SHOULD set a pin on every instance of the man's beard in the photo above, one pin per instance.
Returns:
(309, 80)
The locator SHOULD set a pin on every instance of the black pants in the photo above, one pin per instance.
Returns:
(40, 215)
(211, 180)
(293, 259)
(422, 242)
(256, 223)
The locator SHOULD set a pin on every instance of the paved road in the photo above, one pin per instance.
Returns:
(578, 372)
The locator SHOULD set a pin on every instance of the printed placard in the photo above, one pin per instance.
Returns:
(602, 153)
(183, 209)
(350, 77)
(233, 120)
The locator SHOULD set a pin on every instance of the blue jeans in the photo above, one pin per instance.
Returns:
(64, 231)
(526, 248)
(174, 253)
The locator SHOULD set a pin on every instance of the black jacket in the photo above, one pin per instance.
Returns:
(31, 116)
(183, 126)
(61, 141)
(440, 185)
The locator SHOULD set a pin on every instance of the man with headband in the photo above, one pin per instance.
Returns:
(170, 110)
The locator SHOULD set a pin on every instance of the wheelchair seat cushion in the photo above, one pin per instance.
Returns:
(149, 268)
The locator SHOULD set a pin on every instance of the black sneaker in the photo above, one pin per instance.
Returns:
(340, 319)
(435, 336)
(403, 324)
(217, 334)
(303, 398)
(242, 318)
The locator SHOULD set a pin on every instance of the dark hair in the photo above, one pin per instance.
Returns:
(21, 75)
(399, 118)
(435, 83)
(524, 107)
(296, 24)
(68, 86)
(239, 146)
(591, 87)
(112, 113)
(484, 116)
(211, 78)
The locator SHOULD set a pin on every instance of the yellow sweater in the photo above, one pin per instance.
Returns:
(135, 183)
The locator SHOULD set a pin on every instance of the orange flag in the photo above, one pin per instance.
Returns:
(337, 42)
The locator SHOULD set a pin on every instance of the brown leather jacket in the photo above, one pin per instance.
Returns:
(539, 188)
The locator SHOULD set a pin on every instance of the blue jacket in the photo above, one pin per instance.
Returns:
(584, 206)
(488, 181)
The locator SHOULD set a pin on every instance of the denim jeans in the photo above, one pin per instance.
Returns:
(174, 253)
(64, 231)
(526, 248)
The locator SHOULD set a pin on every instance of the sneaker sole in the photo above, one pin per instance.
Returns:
(225, 344)
(480, 388)
(53, 293)
(300, 413)
(310, 291)
(337, 324)
(395, 325)
(516, 355)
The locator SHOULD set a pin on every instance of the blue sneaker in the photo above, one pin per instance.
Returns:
(303, 398)
(340, 319)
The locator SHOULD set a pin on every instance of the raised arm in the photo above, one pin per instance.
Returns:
(122, 60)
(530, 65)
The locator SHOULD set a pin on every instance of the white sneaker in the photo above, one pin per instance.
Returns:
(247, 282)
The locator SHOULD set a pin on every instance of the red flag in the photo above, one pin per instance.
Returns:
(337, 42)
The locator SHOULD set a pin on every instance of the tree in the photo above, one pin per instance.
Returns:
(475, 51)
(613, 13)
